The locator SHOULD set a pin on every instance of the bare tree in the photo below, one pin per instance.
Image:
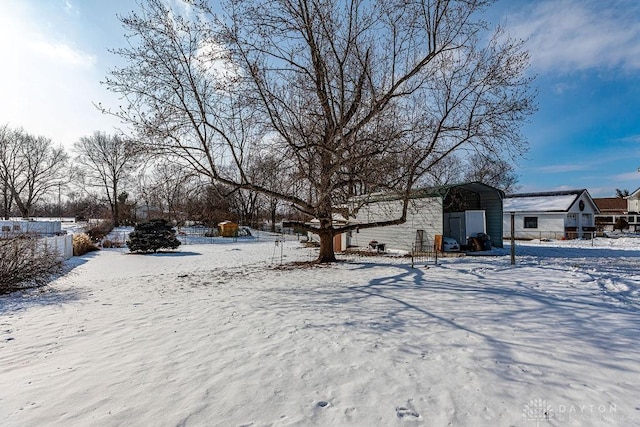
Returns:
(6, 161)
(170, 182)
(357, 96)
(491, 170)
(273, 173)
(30, 168)
(103, 162)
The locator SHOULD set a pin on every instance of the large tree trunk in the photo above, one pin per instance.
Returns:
(114, 207)
(6, 203)
(326, 242)
(273, 207)
(326, 249)
(23, 207)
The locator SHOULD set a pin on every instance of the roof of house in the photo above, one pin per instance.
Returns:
(635, 194)
(552, 201)
(611, 204)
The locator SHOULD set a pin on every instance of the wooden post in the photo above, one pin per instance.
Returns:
(513, 238)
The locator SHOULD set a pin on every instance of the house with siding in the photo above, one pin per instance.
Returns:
(550, 215)
(614, 208)
(611, 210)
(10, 228)
(458, 211)
(633, 202)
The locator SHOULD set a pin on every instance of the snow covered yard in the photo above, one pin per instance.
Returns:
(215, 335)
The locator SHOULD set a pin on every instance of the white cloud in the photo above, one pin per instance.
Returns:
(69, 7)
(62, 53)
(568, 35)
(47, 83)
(633, 139)
(561, 88)
(629, 176)
(563, 168)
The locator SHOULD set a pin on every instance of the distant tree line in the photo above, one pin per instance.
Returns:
(110, 177)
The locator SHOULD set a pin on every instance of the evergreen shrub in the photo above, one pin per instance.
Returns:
(151, 236)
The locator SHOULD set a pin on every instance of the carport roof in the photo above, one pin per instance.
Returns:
(437, 191)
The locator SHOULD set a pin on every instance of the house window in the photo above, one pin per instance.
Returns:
(6, 228)
(632, 219)
(530, 222)
(16, 227)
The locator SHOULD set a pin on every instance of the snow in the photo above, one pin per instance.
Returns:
(222, 334)
(557, 203)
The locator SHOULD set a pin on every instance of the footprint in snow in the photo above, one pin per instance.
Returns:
(406, 413)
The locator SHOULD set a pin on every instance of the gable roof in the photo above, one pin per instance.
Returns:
(611, 204)
(634, 195)
(552, 201)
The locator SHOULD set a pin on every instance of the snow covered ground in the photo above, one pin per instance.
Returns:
(220, 334)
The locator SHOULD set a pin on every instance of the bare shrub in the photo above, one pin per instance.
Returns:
(82, 244)
(100, 231)
(115, 243)
(24, 263)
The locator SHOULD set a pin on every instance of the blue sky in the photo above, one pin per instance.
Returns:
(585, 54)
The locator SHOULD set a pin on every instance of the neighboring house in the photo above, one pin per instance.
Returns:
(42, 228)
(46, 234)
(613, 209)
(340, 241)
(148, 212)
(633, 202)
(556, 215)
(458, 211)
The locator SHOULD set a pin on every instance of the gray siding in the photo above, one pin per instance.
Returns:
(491, 202)
(423, 214)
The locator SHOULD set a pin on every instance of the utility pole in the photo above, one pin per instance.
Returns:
(513, 238)
(59, 202)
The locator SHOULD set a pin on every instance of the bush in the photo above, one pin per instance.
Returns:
(99, 232)
(24, 263)
(621, 224)
(82, 244)
(151, 236)
(106, 243)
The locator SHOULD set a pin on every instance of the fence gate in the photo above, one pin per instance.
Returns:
(423, 250)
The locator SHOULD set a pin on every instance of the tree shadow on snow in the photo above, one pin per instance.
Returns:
(572, 253)
(502, 321)
(35, 297)
(173, 254)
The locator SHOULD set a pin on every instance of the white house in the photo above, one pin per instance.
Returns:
(556, 215)
(16, 227)
(633, 202)
(47, 234)
(458, 211)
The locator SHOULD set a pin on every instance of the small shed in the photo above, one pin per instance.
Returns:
(228, 229)
(550, 215)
